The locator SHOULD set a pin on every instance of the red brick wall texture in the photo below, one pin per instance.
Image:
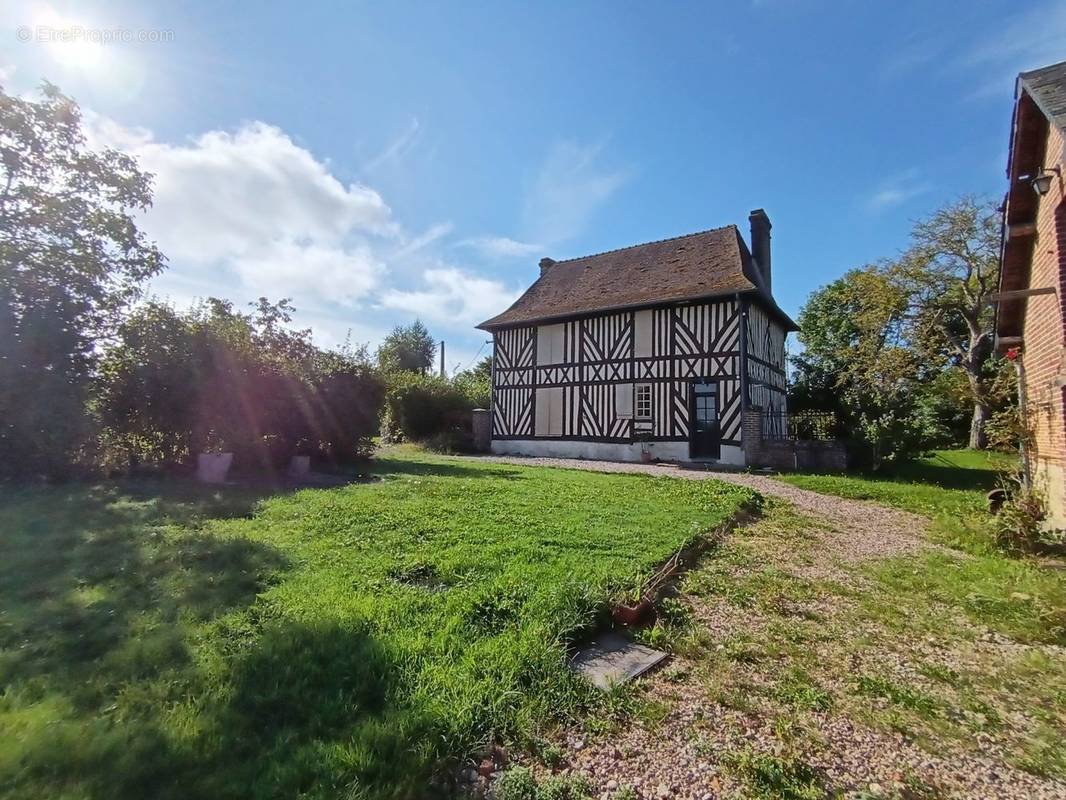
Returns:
(1045, 337)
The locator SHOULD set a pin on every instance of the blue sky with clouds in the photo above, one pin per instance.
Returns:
(382, 161)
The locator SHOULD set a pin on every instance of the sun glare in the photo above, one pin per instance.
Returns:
(69, 41)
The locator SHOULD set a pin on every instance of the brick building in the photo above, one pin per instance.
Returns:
(1031, 316)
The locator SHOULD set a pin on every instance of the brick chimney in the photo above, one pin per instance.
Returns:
(760, 243)
(546, 263)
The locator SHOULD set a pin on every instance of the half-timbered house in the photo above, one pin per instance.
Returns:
(658, 348)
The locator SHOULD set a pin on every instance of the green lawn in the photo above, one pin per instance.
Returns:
(166, 640)
(946, 482)
(899, 645)
(1024, 598)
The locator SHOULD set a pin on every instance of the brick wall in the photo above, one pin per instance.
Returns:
(788, 454)
(1045, 337)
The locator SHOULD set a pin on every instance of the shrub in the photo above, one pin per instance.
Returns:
(475, 384)
(770, 776)
(178, 383)
(419, 406)
(1017, 525)
(450, 442)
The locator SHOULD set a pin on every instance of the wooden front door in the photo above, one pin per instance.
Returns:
(705, 435)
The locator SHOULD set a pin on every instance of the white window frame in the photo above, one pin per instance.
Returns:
(642, 401)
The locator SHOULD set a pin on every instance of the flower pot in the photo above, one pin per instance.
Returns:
(632, 616)
(645, 456)
(300, 466)
(213, 467)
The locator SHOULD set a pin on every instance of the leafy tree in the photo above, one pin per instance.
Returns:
(948, 273)
(476, 383)
(71, 260)
(409, 348)
(858, 362)
(420, 406)
(174, 384)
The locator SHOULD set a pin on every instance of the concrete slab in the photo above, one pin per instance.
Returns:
(613, 659)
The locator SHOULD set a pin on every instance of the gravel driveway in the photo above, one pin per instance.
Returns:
(683, 754)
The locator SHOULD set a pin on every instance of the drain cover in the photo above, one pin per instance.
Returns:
(613, 659)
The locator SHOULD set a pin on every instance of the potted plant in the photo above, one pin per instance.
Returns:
(638, 608)
(214, 461)
(300, 463)
(632, 611)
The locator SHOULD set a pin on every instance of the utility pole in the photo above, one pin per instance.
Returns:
(442, 358)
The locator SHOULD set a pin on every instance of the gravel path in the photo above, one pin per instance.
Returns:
(858, 530)
(685, 754)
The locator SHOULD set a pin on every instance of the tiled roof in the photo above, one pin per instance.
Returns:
(706, 264)
(1047, 86)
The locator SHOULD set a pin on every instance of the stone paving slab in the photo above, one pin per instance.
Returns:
(612, 659)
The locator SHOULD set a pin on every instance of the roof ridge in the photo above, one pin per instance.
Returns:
(1027, 72)
(644, 244)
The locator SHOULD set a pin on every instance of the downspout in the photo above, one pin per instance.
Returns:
(743, 307)
(492, 390)
(745, 445)
(1023, 414)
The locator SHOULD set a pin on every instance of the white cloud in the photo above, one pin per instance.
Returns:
(569, 188)
(7, 72)
(897, 190)
(500, 247)
(226, 195)
(433, 234)
(313, 272)
(251, 213)
(452, 297)
(396, 148)
(256, 206)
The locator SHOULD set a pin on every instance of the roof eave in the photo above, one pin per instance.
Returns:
(489, 325)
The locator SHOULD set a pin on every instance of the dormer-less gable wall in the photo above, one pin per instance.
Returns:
(766, 381)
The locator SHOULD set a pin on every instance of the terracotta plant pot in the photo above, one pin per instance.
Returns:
(645, 456)
(213, 467)
(632, 616)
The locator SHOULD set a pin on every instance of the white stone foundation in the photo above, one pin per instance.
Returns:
(608, 451)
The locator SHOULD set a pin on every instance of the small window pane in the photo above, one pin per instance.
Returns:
(643, 401)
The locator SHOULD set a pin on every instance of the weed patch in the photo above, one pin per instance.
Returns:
(775, 778)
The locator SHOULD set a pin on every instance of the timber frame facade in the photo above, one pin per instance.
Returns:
(669, 377)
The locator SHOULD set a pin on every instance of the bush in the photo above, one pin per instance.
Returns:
(890, 437)
(1017, 525)
(450, 442)
(212, 379)
(419, 406)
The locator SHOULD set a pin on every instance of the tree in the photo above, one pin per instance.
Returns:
(175, 383)
(858, 362)
(948, 274)
(476, 383)
(409, 348)
(71, 260)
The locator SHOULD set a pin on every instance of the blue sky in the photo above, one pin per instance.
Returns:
(382, 161)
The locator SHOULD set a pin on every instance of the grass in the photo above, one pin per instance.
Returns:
(1018, 597)
(947, 482)
(900, 645)
(771, 777)
(170, 640)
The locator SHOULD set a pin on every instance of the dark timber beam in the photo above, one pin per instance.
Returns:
(1020, 230)
(1020, 294)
